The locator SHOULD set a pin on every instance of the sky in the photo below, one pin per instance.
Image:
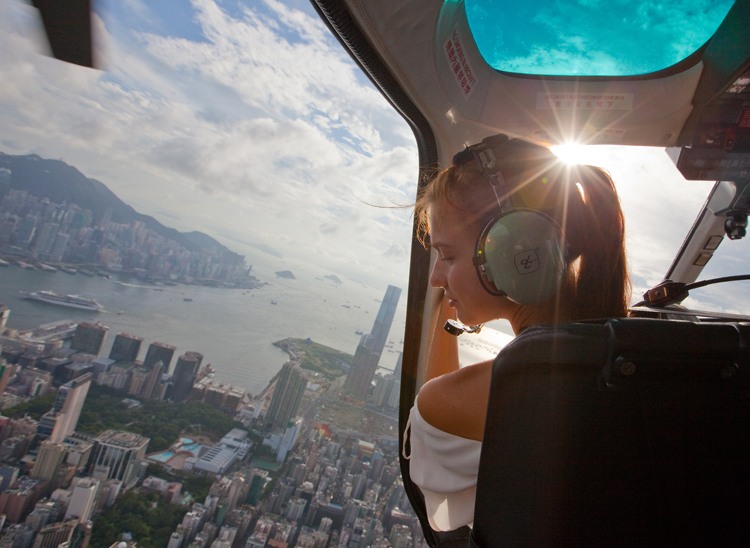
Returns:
(250, 123)
(592, 37)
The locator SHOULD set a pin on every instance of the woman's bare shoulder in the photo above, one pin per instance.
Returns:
(457, 402)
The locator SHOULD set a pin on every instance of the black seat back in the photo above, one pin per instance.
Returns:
(629, 432)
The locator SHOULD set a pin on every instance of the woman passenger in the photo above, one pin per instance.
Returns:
(505, 208)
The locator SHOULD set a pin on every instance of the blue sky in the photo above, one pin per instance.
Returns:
(592, 37)
(249, 122)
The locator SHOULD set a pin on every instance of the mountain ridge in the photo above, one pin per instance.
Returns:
(61, 182)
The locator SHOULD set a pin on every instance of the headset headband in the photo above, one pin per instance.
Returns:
(486, 155)
(493, 144)
(521, 252)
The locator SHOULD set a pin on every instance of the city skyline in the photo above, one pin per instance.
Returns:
(36, 228)
(330, 488)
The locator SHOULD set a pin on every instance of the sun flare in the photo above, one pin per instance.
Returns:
(570, 153)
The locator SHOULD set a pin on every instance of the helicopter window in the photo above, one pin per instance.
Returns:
(729, 259)
(620, 38)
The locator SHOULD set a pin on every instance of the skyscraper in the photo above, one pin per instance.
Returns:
(60, 421)
(153, 376)
(56, 534)
(184, 375)
(399, 365)
(384, 319)
(119, 455)
(48, 460)
(287, 395)
(159, 352)
(4, 314)
(5, 371)
(82, 500)
(45, 239)
(89, 337)
(125, 348)
(370, 348)
(158, 358)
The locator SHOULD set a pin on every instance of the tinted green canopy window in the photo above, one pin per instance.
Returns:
(591, 37)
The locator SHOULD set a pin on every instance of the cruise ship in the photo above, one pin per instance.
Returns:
(71, 301)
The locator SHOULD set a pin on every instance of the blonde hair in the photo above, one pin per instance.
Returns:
(581, 199)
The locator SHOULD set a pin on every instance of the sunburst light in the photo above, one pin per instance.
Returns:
(570, 153)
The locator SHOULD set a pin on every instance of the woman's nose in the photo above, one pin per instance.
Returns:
(437, 277)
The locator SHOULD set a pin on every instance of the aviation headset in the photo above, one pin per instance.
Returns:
(521, 253)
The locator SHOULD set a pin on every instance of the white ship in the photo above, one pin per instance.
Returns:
(71, 301)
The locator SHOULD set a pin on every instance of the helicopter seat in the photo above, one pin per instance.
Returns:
(624, 432)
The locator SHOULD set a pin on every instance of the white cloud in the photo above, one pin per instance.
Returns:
(262, 129)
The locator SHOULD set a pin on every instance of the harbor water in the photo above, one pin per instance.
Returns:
(233, 328)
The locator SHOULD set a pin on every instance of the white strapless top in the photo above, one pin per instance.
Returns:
(445, 468)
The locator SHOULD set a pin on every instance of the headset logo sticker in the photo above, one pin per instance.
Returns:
(527, 262)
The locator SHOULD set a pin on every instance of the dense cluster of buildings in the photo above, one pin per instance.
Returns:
(309, 484)
(343, 491)
(36, 228)
(332, 491)
(54, 479)
(42, 360)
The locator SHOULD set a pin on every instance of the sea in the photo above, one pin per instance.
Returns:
(234, 329)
